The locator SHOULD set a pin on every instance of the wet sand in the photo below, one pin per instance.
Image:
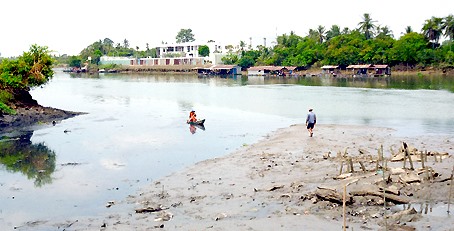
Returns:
(290, 181)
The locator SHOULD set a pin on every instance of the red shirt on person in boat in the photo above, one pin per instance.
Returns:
(192, 117)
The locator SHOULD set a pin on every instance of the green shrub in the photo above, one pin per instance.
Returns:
(109, 66)
(4, 109)
(5, 97)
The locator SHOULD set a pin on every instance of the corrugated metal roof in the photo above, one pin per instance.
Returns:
(271, 68)
(329, 67)
(223, 67)
(359, 66)
(381, 66)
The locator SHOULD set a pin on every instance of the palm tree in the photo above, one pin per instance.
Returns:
(313, 34)
(333, 32)
(384, 31)
(346, 30)
(432, 29)
(408, 30)
(448, 27)
(242, 45)
(125, 43)
(367, 26)
(321, 33)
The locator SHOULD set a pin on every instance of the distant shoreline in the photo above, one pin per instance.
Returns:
(312, 71)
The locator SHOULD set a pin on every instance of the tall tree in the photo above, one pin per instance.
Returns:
(346, 30)
(367, 26)
(185, 35)
(313, 34)
(204, 51)
(407, 49)
(448, 27)
(432, 29)
(333, 32)
(108, 41)
(126, 43)
(384, 32)
(242, 45)
(321, 34)
(408, 29)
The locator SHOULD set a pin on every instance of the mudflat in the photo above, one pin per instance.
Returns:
(291, 181)
(33, 115)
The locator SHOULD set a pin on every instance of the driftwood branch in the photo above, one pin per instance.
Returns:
(389, 197)
(332, 196)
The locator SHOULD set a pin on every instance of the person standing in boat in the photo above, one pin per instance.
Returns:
(192, 116)
(311, 120)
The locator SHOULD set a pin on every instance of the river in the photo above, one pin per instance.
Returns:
(135, 131)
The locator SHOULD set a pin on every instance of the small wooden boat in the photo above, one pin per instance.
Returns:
(198, 122)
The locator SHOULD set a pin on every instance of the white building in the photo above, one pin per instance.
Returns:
(175, 54)
(188, 50)
(191, 50)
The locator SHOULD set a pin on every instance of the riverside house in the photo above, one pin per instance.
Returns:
(174, 55)
(219, 70)
(369, 70)
(330, 70)
(271, 70)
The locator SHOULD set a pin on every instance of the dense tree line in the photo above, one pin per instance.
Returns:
(92, 53)
(368, 43)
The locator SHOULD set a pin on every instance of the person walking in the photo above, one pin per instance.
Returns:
(311, 120)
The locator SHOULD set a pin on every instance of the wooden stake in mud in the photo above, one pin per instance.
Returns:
(450, 189)
(381, 152)
(362, 166)
(407, 154)
(342, 166)
(344, 203)
(350, 163)
(422, 160)
(344, 208)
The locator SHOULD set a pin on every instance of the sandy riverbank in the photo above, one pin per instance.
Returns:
(288, 181)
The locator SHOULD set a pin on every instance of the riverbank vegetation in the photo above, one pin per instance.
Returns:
(17, 76)
(369, 43)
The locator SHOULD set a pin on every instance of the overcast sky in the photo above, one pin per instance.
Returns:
(69, 26)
